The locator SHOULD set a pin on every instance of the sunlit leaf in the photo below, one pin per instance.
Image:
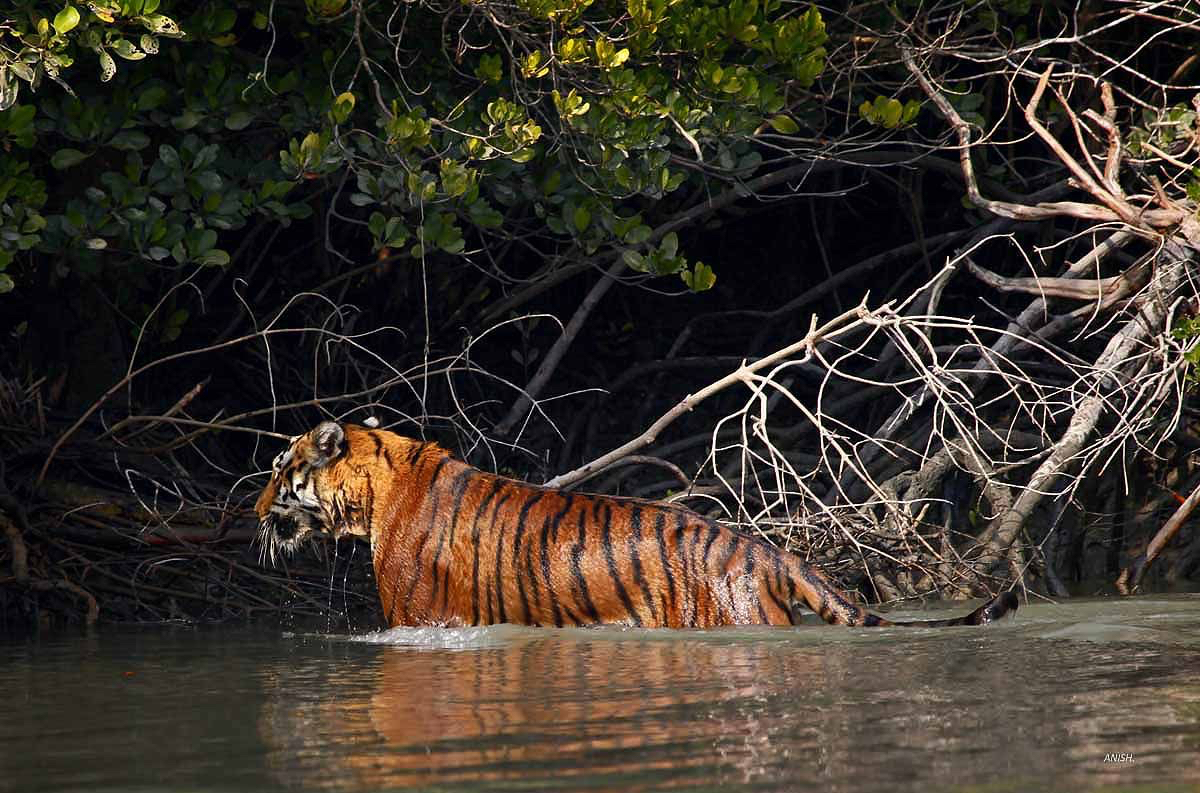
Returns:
(66, 20)
(784, 125)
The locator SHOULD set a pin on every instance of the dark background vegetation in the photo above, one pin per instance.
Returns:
(223, 222)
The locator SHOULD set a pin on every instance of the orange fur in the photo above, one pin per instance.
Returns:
(453, 545)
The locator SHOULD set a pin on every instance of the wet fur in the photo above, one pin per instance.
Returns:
(453, 545)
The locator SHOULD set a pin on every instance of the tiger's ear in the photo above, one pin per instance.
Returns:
(328, 442)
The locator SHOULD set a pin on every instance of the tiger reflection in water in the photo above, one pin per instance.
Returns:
(583, 707)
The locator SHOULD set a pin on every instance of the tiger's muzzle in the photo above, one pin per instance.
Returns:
(281, 532)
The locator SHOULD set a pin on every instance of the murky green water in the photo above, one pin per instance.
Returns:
(1031, 705)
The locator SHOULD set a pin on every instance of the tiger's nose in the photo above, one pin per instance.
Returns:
(286, 527)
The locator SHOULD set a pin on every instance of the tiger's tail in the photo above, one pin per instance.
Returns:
(817, 593)
(997, 608)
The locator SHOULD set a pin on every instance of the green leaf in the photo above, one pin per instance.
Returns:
(533, 66)
(376, 224)
(6, 283)
(205, 241)
(151, 98)
(635, 260)
(66, 20)
(456, 178)
(174, 324)
(784, 125)
(223, 20)
(700, 278)
(669, 245)
(213, 258)
(162, 25)
(169, 157)
(890, 113)
(342, 106)
(22, 70)
(484, 216)
(186, 120)
(638, 234)
(238, 120)
(130, 140)
(310, 147)
(65, 158)
(208, 180)
(206, 156)
(489, 69)
(125, 48)
(108, 67)
(395, 233)
(582, 218)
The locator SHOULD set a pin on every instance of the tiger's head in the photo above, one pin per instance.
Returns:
(306, 495)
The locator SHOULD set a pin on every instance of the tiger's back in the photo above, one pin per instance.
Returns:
(453, 545)
(484, 549)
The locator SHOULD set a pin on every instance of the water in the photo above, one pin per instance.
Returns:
(1030, 705)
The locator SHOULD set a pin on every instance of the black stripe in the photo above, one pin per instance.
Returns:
(713, 533)
(725, 574)
(577, 569)
(387, 457)
(551, 524)
(518, 533)
(428, 529)
(660, 522)
(733, 547)
(496, 485)
(750, 572)
(606, 543)
(703, 576)
(822, 593)
(849, 611)
(392, 539)
(777, 567)
(570, 615)
(415, 453)
(459, 487)
(537, 587)
(378, 443)
(499, 581)
(635, 521)
(688, 588)
(545, 558)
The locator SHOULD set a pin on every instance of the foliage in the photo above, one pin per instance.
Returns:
(569, 125)
(1187, 330)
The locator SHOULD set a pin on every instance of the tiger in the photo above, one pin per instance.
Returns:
(455, 546)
